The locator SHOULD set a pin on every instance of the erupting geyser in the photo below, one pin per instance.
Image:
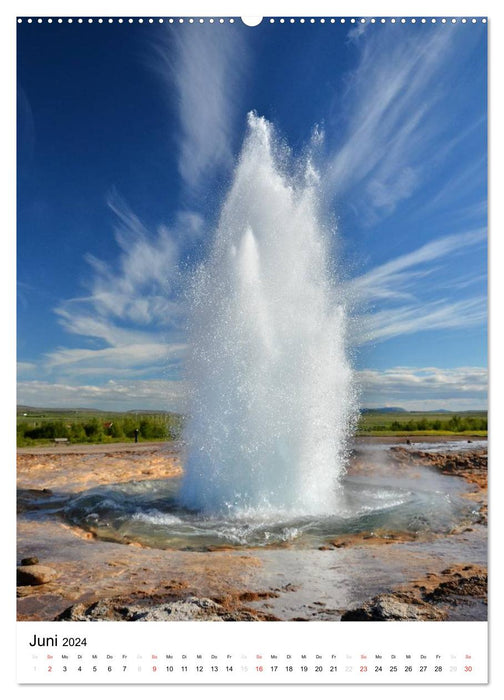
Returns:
(271, 394)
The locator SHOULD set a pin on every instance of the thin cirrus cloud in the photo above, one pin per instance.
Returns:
(405, 320)
(392, 133)
(393, 277)
(459, 188)
(132, 310)
(399, 287)
(120, 357)
(147, 263)
(207, 74)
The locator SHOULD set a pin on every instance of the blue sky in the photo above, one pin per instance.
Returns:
(127, 137)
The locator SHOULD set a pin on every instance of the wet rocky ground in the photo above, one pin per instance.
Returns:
(65, 573)
(458, 589)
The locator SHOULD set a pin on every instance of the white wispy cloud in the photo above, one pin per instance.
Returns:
(113, 395)
(395, 299)
(115, 358)
(459, 187)
(357, 31)
(413, 388)
(208, 71)
(140, 289)
(133, 310)
(77, 317)
(392, 134)
(24, 368)
(396, 277)
(132, 314)
(423, 388)
(406, 320)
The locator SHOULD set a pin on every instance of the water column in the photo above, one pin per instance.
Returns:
(271, 392)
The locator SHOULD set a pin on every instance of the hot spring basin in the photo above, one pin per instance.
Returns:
(148, 512)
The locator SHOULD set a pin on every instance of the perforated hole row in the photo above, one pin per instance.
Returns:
(271, 20)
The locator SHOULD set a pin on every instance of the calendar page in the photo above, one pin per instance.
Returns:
(252, 368)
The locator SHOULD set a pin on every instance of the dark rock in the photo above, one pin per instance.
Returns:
(35, 575)
(190, 608)
(392, 606)
(470, 586)
(29, 561)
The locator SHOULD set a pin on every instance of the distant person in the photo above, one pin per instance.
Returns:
(136, 434)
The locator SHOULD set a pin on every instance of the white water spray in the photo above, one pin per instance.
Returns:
(271, 393)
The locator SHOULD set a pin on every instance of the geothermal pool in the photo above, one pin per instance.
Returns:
(109, 520)
(422, 502)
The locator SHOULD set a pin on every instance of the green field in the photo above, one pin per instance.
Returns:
(43, 426)
(423, 423)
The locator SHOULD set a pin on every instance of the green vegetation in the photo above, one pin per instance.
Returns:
(420, 423)
(41, 427)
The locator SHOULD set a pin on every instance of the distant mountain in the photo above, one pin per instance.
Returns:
(458, 413)
(398, 409)
(147, 412)
(21, 408)
(386, 409)
(40, 409)
(43, 410)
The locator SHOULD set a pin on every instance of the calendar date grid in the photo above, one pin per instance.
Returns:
(268, 664)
